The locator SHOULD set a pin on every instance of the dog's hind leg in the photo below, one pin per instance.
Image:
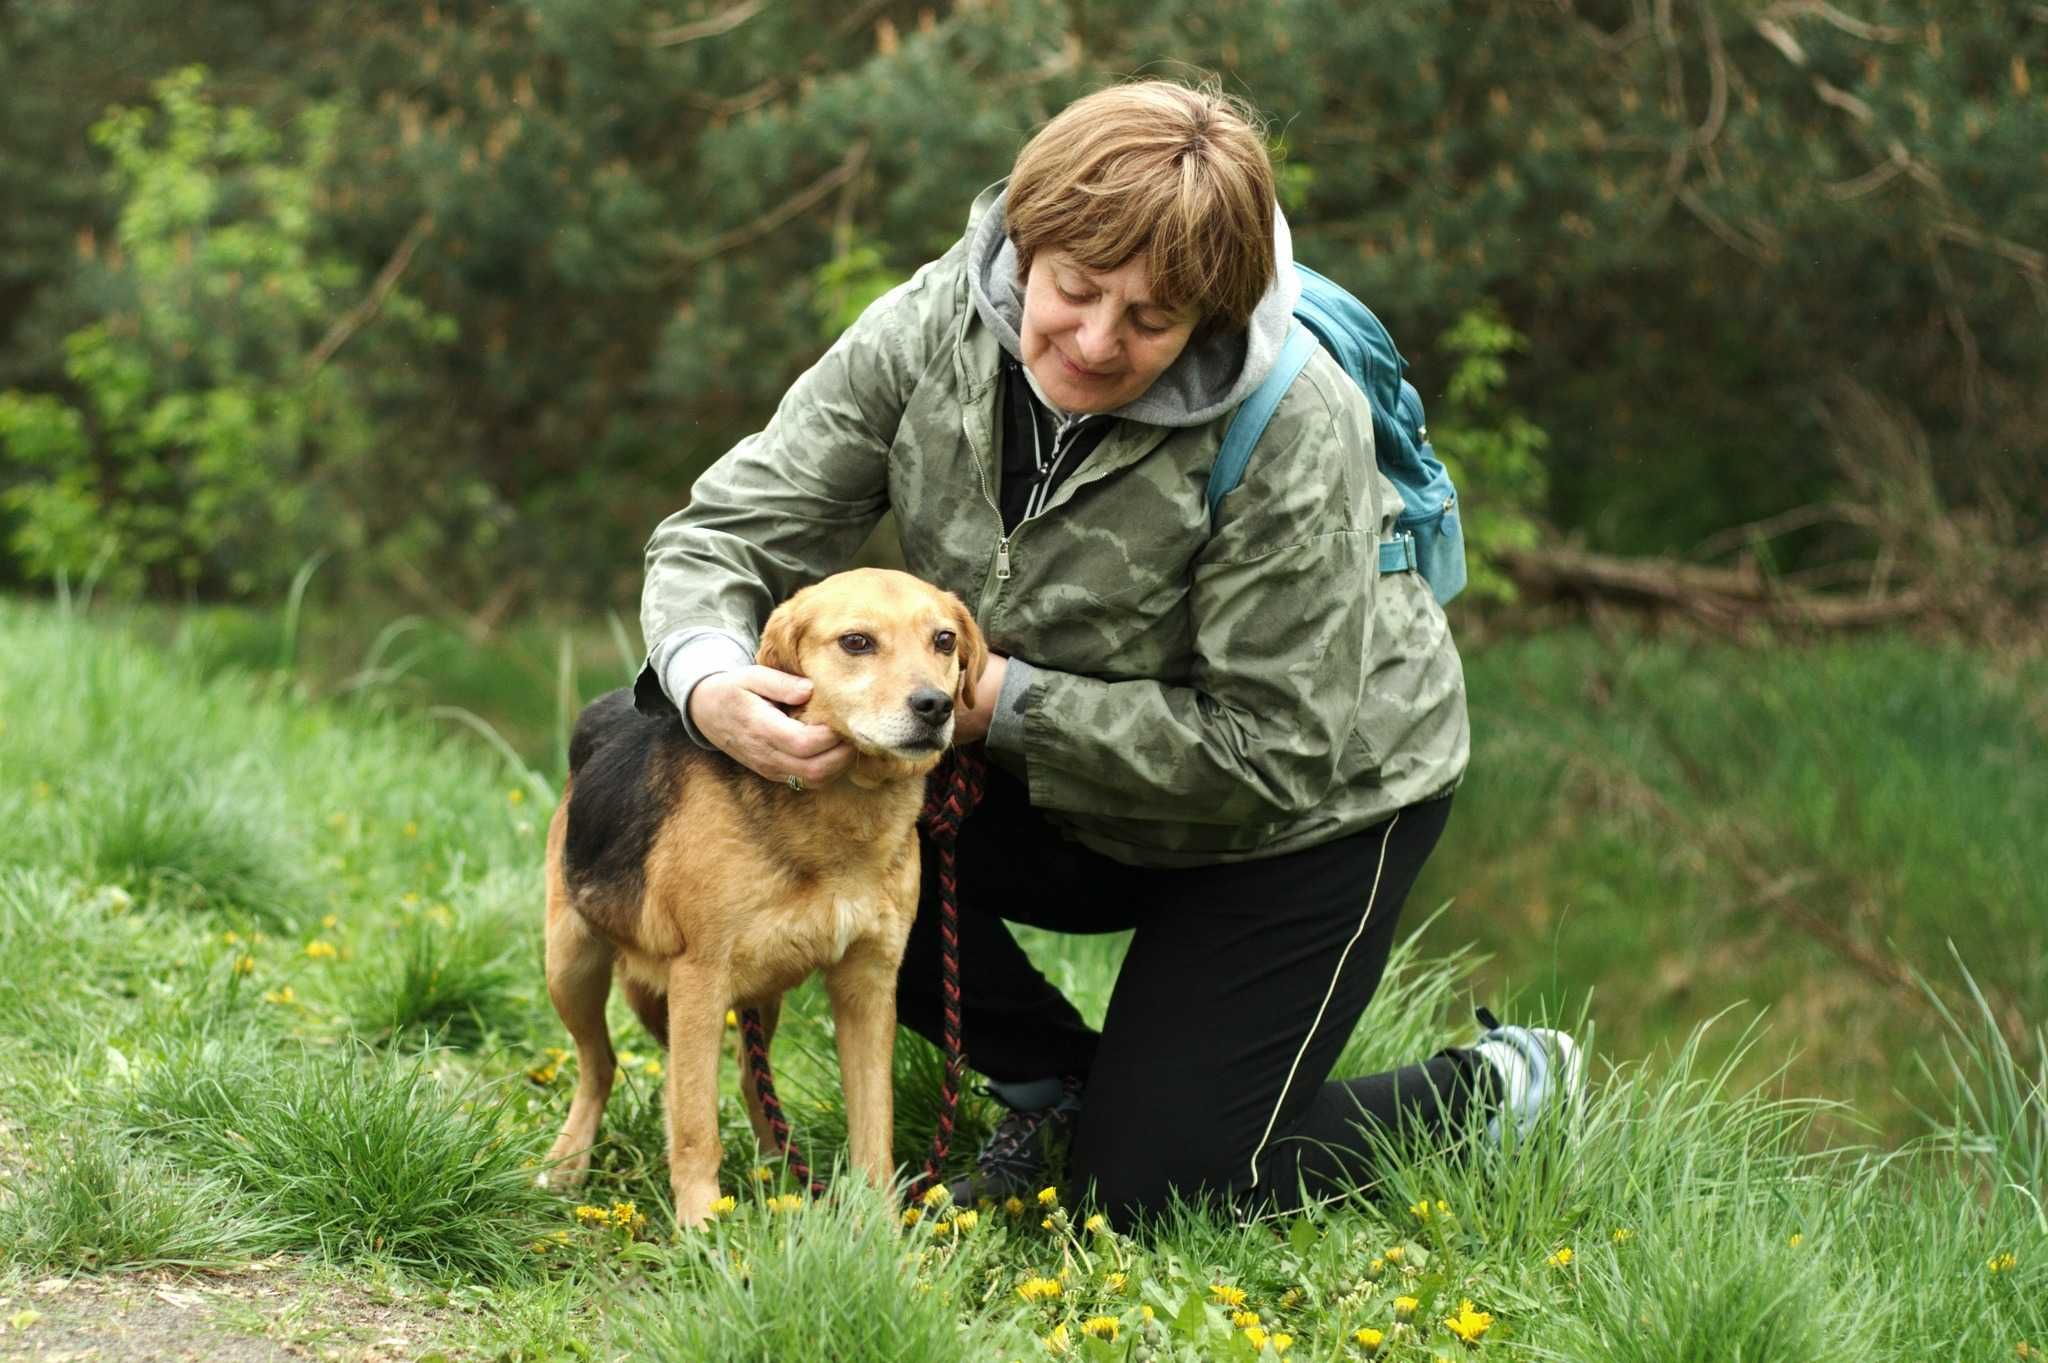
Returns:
(650, 1005)
(579, 967)
(764, 1136)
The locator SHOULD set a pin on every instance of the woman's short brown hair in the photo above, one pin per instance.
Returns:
(1178, 174)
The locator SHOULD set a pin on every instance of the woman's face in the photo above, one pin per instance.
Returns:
(1094, 340)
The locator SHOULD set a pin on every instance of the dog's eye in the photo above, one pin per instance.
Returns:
(856, 643)
(943, 641)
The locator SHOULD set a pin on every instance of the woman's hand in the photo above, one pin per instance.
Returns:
(739, 712)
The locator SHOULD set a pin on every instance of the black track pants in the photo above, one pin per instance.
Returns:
(1241, 986)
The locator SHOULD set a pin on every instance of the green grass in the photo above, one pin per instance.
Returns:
(270, 984)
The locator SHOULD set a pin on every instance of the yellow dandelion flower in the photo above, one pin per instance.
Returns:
(1256, 1336)
(967, 1220)
(544, 1074)
(1147, 1312)
(912, 1215)
(588, 1213)
(1244, 1319)
(1376, 1268)
(1369, 1339)
(1468, 1325)
(1056, 1342)
(1039, 1289)
(628, 1218)
(1420, 1210)
(515, 796)
(1404, 1307)
(1014, 1205)
(1396, 1253)
(1101, 1327)
(1281, 1342)
(942, 1228)
(651, 1067)
(762, 1173)
(936, 1194)
(321, 951)
(2002, 1263)
(410, 899)
(1227, 1295)
(412, 828)
(1290, 1298)
(1115, 1282)
(331, 921)
(2027, 1350)
(1622, 1235)
(228, 939)
(724, 1206)
(283, 995)
(1045, 1224)
(554, 1053)
(245, 965)
(787, 1202)
(1796, 1240)
(1561, 1259)
(732, 1019)
(1048, 1197)
(1097, 1223)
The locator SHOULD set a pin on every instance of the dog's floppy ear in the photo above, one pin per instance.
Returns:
(973, 650)
(782, 642)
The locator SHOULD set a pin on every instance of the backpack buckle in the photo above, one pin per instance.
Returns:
(1398, 555)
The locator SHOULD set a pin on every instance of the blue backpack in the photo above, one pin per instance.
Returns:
(1427, 538)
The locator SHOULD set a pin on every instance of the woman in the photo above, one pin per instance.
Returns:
(1234, 737)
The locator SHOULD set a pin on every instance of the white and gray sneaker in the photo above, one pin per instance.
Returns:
(1538, 1067)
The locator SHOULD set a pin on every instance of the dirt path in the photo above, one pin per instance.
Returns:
(250, 1317)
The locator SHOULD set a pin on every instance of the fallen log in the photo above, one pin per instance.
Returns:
(1726, 598)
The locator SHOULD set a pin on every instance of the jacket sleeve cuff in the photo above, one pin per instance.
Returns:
(689, 656)
(1006, 725)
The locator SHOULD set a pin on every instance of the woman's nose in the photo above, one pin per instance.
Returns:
(1096, 341)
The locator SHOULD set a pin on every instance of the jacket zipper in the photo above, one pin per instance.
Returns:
(1039, 494)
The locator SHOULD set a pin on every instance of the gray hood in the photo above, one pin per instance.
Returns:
(1211, 376)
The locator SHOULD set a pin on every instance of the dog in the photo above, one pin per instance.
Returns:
(705, 887)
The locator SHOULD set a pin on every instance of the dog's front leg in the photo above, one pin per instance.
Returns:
(862, 986)
(696, 1026)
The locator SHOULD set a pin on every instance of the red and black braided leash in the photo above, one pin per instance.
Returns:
(950, 794)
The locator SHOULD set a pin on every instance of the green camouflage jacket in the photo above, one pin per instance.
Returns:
(1180, 693)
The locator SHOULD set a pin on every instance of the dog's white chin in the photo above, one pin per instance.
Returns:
(903, 744)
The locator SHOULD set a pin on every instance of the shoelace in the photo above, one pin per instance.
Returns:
(1006, 1154)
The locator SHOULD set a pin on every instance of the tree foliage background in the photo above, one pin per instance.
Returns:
(470, 292)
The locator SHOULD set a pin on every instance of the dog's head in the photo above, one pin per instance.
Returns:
(888, 657)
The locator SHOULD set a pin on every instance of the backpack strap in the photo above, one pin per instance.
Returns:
(1252, 415)
(1397, 555)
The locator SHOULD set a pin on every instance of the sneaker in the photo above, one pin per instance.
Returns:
(1014, 1160)
(1537, 1067)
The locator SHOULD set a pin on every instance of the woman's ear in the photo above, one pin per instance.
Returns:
(973, 655)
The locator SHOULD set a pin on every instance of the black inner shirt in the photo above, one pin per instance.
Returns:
(1039, 450)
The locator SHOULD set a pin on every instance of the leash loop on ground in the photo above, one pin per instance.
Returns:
(951, 792)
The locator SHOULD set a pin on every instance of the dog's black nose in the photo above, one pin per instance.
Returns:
(931, 705)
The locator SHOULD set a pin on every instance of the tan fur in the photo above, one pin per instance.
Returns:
(749, 889)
